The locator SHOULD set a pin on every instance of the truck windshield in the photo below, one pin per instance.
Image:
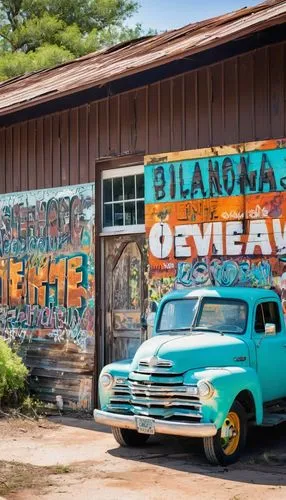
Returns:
(224, 315)
(177, 315)
(214, 315)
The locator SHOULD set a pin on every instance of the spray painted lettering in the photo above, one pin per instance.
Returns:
(226, 272)
(218, 216)
(47, 265)
(255, 172)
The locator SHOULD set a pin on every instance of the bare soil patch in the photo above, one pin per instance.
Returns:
(66, 458)
(16, 427)
(16, 476)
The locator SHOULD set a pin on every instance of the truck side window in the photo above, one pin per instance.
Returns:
(267, 312)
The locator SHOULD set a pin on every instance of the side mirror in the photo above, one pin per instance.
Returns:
(153, 306)
(143, 321)
(270, 329)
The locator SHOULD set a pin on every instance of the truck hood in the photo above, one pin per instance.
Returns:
(187, 352)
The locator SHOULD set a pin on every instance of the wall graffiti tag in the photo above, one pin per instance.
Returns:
(226, 272)
(218, 216)
(47, 265)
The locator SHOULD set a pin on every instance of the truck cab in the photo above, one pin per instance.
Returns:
(214, 364)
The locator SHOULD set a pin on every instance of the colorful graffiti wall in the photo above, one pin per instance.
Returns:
(47, 281)
(218, 216)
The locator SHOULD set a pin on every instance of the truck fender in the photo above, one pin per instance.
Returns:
(231, 383)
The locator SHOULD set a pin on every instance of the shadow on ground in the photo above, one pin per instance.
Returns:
(263, 462)
(80, 423)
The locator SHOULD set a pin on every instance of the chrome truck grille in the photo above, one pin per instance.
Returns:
(169, 401)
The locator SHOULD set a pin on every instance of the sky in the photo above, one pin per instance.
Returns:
(164, 15)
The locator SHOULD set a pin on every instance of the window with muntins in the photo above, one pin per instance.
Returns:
(123, 199)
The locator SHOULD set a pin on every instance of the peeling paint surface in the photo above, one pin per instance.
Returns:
(47, 287)
(217, 216)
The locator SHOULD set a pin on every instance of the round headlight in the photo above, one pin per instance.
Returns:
(106, 380)
(205, 389)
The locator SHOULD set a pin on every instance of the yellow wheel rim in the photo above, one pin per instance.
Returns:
(230, 433)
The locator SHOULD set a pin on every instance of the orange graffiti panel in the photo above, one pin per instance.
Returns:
(75, 292)
(58, 275)
(37, 279)
(16, 282)
(4, 281)
(235, 226)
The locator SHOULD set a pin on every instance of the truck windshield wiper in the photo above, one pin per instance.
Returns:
(185, 329)
(205, 329)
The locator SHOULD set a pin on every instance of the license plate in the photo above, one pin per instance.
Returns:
(145, 425)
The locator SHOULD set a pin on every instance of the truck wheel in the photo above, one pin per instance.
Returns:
(226, 446)
(127, 437)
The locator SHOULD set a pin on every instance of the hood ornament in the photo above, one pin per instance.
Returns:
(155, 362)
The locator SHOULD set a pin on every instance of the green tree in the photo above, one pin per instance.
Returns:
(37, 34)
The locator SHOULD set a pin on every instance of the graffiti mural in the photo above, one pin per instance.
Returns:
(47, 265)
(218, 216)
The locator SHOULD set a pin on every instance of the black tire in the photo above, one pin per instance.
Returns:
(214, 448)
(127, 437)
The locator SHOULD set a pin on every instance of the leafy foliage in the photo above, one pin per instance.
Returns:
(36, 34)
(13, 373)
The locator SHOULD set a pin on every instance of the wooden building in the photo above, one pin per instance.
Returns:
(73, 141)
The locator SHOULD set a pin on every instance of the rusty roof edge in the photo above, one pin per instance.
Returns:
(50, 96)
(224, 18)
(54, 94)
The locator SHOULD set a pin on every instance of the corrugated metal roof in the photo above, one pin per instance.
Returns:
(123, 60)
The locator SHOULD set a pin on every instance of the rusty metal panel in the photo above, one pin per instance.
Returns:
(16, 145)
(48, 151)
(231, 123)
(154, 135)
(246, 98)
(103, 127)
(47, 294)
(56, 147)
(277, 89)
(241, 98)
(126, 123)
(83, 144)
(93, 140)
(136, 56)
(24, 156)
(74, 146)
(65, 148)
(177, 114)
(216, 103)
(261, 93)
(140, 120)
(191, 110)
(9, 160)
(165, 113)
(40, 153)
(114, 125)
(204, 108)
(31, 150)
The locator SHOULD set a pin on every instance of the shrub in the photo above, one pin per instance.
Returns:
(13, 373)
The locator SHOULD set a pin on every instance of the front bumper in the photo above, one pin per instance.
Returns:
(161, 426)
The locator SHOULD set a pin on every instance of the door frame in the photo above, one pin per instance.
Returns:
(100, 165)
(103, 341)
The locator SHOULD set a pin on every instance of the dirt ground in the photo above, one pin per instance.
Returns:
(66, 458)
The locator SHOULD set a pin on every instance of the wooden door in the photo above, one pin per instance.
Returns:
(125, 292)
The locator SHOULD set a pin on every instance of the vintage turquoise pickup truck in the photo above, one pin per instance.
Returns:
(215, 364)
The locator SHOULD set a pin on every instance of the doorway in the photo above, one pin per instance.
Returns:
(124, 294)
